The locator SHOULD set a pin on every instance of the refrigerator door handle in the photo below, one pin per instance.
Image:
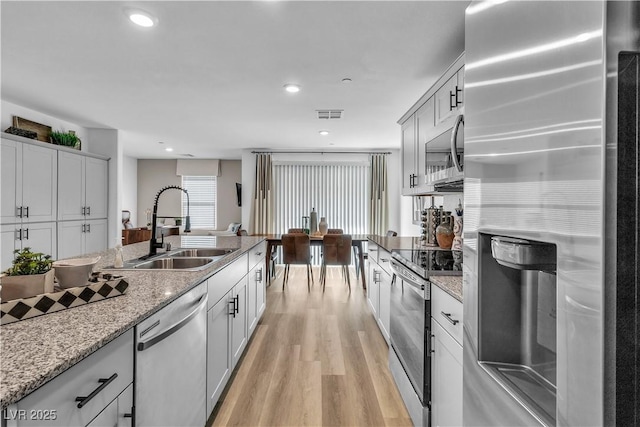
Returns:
(144, 345)
(454, 142)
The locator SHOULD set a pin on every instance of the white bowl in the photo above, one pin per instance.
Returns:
(74, 272)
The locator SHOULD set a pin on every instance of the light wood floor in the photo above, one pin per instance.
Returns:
(315, 359)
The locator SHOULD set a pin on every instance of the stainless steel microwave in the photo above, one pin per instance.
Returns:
(444, 158)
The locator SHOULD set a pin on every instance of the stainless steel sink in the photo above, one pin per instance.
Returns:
(202, 252)
(172, 263)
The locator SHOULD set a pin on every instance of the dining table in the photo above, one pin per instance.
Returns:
(274, 240)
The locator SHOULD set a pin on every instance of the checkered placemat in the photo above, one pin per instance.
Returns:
(102, 286)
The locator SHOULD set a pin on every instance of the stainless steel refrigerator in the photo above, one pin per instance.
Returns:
(551, 293)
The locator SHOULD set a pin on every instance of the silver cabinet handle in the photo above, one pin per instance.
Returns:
(18, 234)
(449, 318)
(144, 345)
(259, 275)
(26, 234)
(89, 210)
(84, 210)
(233, 309)
(376, 276)
(454, 142)
(88, 228)
(84, 228)
(19, 211)
(26, 208)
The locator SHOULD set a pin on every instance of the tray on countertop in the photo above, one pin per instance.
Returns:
(101, 286)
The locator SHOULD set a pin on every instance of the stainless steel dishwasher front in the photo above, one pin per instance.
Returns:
(171, 346)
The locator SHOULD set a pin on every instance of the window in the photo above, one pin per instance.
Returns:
(202, 200)
(337, 192)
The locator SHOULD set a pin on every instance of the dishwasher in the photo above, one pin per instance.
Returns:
(170, 375)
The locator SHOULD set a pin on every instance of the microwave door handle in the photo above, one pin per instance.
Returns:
(454, 141)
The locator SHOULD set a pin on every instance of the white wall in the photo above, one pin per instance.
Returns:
(155, 174)
(393, 172)
(130, 188)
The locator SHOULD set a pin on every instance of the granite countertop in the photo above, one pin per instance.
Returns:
(36, 350)
(450, 284)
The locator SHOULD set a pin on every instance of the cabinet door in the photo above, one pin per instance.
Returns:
(218, 349)
(408, 155)
(125, 408)
(384, 310)
(70, 238)
(252, 308)
(460, 97)
(11, 182)
(373, 288)
(40, 237)
(446, 386)
(445, 101)
(71, 200)
(39, 183)
(424, 124)
(9, 241)
(96, 191)
(95, 236)
(239, 320)
(108, 417)
(261, 289)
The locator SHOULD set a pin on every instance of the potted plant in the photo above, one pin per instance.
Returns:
(67, 139)
(30, 275)
(178, 221)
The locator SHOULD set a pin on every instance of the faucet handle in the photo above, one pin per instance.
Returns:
(167, 246)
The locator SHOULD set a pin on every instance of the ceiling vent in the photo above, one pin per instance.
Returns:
(187, 155)
(329, 114)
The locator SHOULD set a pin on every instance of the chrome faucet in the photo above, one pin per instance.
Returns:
(153, 243)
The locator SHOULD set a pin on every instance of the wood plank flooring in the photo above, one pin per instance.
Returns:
(315, 359)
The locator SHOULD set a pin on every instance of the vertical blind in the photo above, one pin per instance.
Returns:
(336, 191)
(202, 200)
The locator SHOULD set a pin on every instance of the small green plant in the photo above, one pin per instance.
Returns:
(27, 262)
(67, 139)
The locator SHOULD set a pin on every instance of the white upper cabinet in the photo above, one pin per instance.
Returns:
(449, 98)
(83, 188)
(29, 183)
(408, 155)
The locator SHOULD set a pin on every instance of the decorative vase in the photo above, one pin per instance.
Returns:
(457, 232)
(323, 226)
(14, 287)
(313, 219)
(444, 232)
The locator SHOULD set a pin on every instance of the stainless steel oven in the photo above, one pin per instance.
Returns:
(410, 326)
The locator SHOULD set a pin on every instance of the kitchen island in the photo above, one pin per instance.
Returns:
(37, 350)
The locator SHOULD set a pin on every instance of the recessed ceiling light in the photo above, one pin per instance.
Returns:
(168, 149)
(292, 88)
(324, 132)
(141, 18)
(332, 143)
(346, 80)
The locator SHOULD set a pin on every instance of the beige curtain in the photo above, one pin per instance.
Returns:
(378, 198)
(262, 220)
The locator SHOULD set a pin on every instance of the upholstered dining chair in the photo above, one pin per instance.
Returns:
(335, 231)
(336, 250)
(296, 249)
(295, 230)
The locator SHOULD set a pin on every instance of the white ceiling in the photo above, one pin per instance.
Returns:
(208, 79)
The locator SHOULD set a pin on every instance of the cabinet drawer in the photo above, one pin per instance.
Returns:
(222, 282)
(447, 311)
(57, 398)
(372, 251)
(257, 254)
(384, 260)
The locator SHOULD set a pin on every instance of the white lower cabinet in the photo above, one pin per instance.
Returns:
(384, 311)
(446, 388)
(446, 359)
(373, 287)
(76, 238)
(239, 330)
(119, 413)
(77, 396)
(379, 288)
(256, 302)
(219, 361)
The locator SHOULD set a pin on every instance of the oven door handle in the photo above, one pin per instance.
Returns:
(413, 285)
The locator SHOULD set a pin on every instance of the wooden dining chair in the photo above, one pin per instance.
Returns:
(296, 249)
(336, 250)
